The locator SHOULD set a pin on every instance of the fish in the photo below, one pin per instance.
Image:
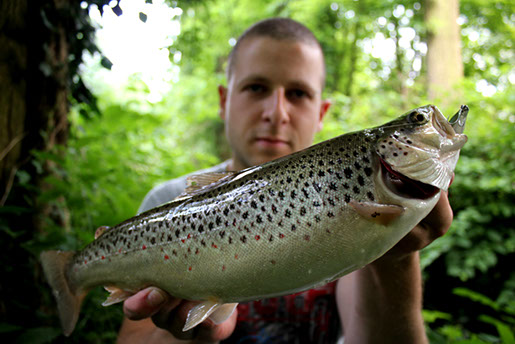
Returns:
(274, 229)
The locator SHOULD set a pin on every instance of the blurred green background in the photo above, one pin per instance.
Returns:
(129, 139)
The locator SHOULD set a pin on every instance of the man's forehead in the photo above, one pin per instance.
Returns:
(267, 58)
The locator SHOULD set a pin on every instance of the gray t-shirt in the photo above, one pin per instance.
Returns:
(167, 191)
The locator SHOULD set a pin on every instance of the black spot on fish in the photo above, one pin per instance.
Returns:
(316, 204)
(287, 213)
(317, 187)
(274, 209)
(305, 192)
(271, 192)
(361, 180)
(302, 211)
(226, 211)
(200, 228)
(321, 173)
(311, 174)
(259, 219)
(263, 209)
(355, 189)
(281, 195)
(332, 186)
(347, 198)
(331, 202)
(177, 233)
(210, 225)
(330, 214)
(269, 217)
(222, 234)
(317, 218)
(288, 180)
(293, 228)
(345, 186)
(218, 220)
(348, 173)
(357, 165)
(153, 240)
(321, 163)
(243, 239)
(293, 194)
(253, 204)
(370, 196)
(368, 171)
(338, 175)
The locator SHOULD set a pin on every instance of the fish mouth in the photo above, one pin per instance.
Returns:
(405, 186)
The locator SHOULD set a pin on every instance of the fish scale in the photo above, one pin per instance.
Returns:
(273, 229)
(312, 181)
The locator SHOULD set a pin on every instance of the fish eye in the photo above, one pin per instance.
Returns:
(417, 118)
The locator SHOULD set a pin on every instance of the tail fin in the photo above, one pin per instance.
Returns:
(68, 301)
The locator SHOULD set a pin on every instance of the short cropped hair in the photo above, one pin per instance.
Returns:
(279, 29)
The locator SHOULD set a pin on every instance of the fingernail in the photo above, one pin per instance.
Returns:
(155, 298)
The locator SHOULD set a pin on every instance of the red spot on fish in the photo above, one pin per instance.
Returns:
(189, 236)
(235, 256)
(223, 268)
(197, 251)
(189, 268)
(257, 237)
(281, 236)
(103, 257)
(166, 257)
(213, 245)
(183, 240)
(143, 247)
(85, 261)
(120, 251)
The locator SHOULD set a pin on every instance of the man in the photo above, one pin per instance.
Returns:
(272, 107)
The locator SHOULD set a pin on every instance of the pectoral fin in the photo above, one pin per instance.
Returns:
(382, 214)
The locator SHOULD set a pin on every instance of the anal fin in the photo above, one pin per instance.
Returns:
(116, 295)
(382, 214)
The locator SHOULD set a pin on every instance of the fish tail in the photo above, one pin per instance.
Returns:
(69, 301)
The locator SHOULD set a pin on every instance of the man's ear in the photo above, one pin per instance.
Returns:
(222, 97)
(324, 107)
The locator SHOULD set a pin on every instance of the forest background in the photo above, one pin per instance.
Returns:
(76, 154)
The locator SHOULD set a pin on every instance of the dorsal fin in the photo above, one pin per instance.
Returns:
(202, 182)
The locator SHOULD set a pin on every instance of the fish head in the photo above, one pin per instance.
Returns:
(419, 150)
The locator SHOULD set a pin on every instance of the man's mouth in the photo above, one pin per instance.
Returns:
(271, 142)
(405, 186)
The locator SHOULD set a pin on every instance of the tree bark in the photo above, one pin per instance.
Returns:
(13, 88)
(444, 62)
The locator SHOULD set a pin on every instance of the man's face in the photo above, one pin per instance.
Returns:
(272, 105)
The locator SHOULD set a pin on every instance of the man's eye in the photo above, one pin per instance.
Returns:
(296, 94)
(256, 88)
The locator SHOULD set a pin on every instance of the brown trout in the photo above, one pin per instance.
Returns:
(274, 229)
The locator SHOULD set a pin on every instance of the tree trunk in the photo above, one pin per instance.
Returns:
(33, 117)
(13, 89)
(444, 63)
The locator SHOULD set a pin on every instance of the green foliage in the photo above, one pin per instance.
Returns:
(451, 331)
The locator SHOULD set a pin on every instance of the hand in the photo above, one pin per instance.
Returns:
(170, 314)
(433, 226)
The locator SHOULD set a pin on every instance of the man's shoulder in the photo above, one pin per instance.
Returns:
(167, 191)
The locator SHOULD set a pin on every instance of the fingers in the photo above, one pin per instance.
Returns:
(439, 220)
(146, 303)
(174, 320)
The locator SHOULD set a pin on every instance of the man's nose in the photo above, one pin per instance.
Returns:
(276, 107)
